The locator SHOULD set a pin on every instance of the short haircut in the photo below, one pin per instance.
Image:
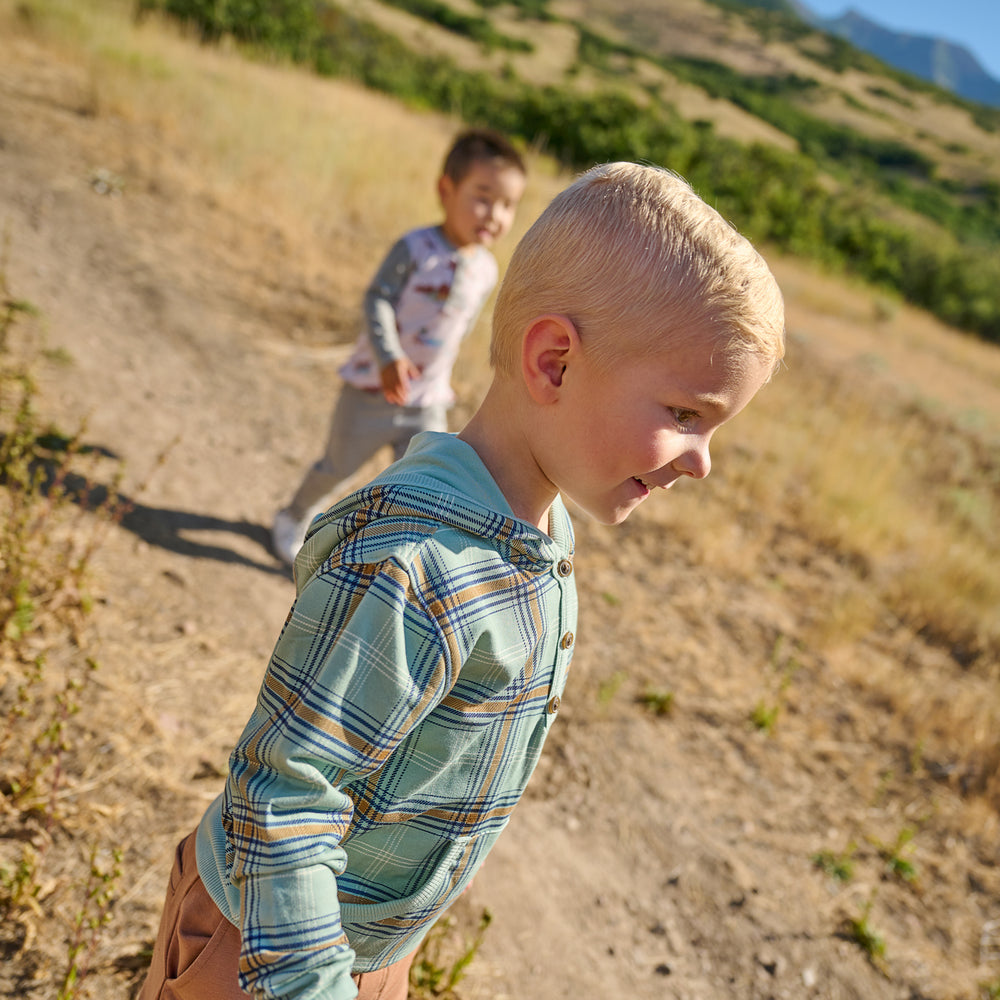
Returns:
(479, 145)
(638, 262)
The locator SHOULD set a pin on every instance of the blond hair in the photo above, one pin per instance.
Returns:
(637, 261)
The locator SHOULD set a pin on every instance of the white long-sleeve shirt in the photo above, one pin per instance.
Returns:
(423, 300)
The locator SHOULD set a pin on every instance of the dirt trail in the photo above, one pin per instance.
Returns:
(655, 856)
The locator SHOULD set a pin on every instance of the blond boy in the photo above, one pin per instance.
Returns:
(424, 659)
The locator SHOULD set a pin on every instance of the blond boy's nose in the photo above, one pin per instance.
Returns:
(695, 462)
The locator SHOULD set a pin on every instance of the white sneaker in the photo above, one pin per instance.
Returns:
(287, 535)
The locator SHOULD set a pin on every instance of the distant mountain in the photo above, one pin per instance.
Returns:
(942, 62)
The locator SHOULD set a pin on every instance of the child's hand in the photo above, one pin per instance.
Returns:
(396, 380)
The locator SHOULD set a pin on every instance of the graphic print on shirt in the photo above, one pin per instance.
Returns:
(436, 293)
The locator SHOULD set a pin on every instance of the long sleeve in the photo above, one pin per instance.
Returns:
(358, 664)
(381, 299)
(402, 712)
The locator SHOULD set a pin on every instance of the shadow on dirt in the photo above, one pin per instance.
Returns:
(172, 529)
(164, 527)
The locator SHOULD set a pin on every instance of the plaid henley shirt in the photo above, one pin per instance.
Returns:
(401, 714)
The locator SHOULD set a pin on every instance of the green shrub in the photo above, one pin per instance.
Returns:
(290, 27)
(479, 29)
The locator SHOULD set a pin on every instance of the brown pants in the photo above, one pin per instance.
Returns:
(197, 949)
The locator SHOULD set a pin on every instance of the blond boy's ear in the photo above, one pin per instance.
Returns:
(549, 343)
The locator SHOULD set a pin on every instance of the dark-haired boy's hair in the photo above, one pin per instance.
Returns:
(479, 145)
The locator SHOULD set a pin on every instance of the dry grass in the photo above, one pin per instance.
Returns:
(52, 521)
(271, 135)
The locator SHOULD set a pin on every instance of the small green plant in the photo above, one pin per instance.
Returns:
(838, 866)
(764, 715)
(892, 854)
(19, 887)
(990, 991)
(11, 309)
(883, 787)
(860, 931)
(609, 687)
(441, 962)
(658, 701)
(91, 918)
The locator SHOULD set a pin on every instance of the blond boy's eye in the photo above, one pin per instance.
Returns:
(684, 417)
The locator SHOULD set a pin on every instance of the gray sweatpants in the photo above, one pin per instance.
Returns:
(362, 423)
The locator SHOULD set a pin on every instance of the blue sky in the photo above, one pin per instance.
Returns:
(972, 23)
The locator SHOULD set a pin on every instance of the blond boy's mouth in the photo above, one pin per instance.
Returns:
(648, 485)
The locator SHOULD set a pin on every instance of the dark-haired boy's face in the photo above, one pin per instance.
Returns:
(621, 434)
(480, 208)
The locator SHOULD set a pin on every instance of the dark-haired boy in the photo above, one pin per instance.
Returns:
(423, 300)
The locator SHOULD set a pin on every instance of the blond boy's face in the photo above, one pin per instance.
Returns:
(622, 434)
(480, 208)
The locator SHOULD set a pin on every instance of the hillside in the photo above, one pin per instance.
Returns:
(593, 44)
(804, 141)
(775, 772)
(833, 84)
